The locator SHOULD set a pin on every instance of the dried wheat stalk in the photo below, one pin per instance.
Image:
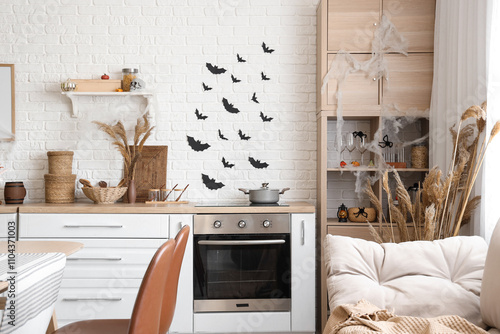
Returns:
(442, 205)
(119, 135)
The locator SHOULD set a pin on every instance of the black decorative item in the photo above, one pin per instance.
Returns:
(254, 98)
(385, 142)
(361, 211)
(264, 77)
(200, 115)
(235, 79)
(211, 183)
(240, 59)
(342, 213)
(265, 118)
(221, 136)
(243, 136)
(226, 163)
(197, 145)
(257, 164)
(266, 48)
(229, 106)
(214, 69)
(359, 134)
(205, 87)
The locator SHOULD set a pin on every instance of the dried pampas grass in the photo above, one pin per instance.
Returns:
(131, 155)
(443, 204)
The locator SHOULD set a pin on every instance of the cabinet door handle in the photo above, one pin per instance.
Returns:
(107, 226)
(91, 299)
(303, 232)
(94, 258)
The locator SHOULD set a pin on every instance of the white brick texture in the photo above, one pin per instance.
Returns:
(169, 41)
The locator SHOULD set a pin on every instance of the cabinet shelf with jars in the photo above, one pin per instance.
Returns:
(391, 107)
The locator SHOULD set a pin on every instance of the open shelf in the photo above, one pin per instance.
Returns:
(375, 169)
(148, 95)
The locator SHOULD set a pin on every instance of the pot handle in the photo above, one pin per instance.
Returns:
(283, 191)
(246, 191)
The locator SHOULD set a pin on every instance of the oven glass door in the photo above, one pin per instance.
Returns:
(232, 272)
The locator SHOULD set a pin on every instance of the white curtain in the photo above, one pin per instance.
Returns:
(460, 74)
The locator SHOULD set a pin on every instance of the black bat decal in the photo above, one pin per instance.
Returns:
(210, 183)
(197, 145)
(240, 60)
(229, 106)
(265, 118)
(254, 98)
(214, 69)
(264, 77)
(266, 48)
(205, 87)
(200, 115)
(221, 136)
(235, 79)
(226, 163)
(257, 163)
(243, 136)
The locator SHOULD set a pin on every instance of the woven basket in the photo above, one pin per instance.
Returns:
(59, 188)
(60, 162)
(104, 195)
(353, 216)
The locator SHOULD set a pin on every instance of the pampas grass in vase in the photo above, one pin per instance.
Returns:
(131, 154)
(443, 203)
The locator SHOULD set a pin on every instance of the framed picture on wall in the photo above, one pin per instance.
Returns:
(7, 102)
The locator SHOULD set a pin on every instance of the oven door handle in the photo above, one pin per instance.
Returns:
(241, 242)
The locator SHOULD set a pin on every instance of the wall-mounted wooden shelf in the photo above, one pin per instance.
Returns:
(375, 169)
(148, 95)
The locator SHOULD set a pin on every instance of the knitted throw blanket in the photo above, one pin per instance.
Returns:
(365, 318)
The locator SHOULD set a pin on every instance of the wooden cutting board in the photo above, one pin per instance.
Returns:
(151, 171)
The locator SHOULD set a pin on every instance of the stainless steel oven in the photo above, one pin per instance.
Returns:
(242, 263)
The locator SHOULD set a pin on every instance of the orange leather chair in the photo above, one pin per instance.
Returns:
(155, 303)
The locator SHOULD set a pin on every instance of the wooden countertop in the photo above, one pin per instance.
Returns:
(190, 208)
(8, 208)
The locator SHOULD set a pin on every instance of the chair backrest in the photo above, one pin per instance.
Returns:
(490, 288)
(170, 293)
(147, 308)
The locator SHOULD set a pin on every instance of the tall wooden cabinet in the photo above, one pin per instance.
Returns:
(350, 25)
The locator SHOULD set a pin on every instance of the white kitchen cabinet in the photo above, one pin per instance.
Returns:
(303, 238)
(7, 220)
(101, 280)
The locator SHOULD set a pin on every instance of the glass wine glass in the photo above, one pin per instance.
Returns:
(362, 147)
(350, 144)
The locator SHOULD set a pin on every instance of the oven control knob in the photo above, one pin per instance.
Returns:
(242, 224)
(266, 223)
(217, 224)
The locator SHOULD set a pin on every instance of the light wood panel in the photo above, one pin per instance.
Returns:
(25, 246)
(351, 24)
(409, 82)
(358, 89)
(414, 20)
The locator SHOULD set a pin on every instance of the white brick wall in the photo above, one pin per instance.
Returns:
(169, 41)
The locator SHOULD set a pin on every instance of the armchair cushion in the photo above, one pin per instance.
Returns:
(419, 278)
(490, 289)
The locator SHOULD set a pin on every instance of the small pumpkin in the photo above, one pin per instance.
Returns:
(68, 86)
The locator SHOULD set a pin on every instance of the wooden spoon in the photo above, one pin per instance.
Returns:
(177, 200)
(163, 200)
(86, 183)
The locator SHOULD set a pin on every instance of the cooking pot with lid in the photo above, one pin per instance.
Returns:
(264, 195)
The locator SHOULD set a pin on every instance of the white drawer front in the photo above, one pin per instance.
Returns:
(96, 299)
(244, 322)
(93, 225)
(5, 218)
(111, 258)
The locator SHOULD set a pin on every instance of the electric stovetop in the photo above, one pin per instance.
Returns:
(236, 204)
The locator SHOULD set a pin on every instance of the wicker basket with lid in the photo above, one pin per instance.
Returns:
(60, 162)
(59, 189)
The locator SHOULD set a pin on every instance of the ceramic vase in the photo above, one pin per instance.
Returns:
(131, 192)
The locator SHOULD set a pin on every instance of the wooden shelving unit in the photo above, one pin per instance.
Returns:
(349, 25)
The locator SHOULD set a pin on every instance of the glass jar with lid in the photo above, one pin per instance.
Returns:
(128, 74)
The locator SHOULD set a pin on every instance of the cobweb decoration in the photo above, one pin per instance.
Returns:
(386, 39)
